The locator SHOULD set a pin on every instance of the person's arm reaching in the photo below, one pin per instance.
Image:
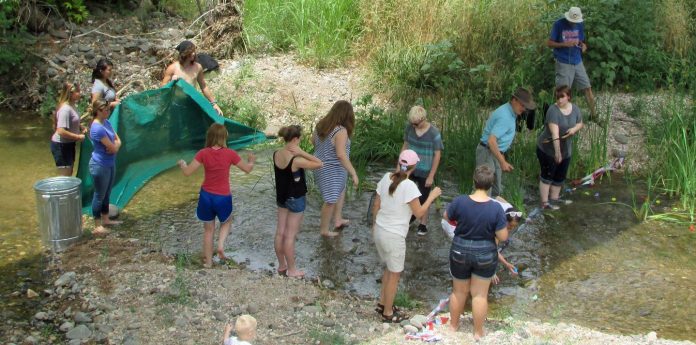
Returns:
(418, 209)
(493, 147)
(188, 169)
(206, 91)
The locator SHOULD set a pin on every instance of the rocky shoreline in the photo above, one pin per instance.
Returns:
(122, 291)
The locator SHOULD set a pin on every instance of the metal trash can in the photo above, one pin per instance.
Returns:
(59, 207)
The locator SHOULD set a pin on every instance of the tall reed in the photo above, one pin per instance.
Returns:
(322, 32)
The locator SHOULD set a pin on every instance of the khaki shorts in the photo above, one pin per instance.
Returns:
(572, 75)
(391, 249)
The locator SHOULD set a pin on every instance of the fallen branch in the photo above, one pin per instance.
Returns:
(287, 334)
(53, 64)
(95, 29)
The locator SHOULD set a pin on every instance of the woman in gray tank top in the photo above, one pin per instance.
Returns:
(102, 86)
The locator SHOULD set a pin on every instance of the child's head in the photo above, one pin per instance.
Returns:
(245, 326)
(484, 176)
(288, 133)
(216, 136)
(513, 216)
(416, 115)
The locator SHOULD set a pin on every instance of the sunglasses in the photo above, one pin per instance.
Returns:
(516, 214)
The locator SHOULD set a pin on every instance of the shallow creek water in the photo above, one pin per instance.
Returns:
(590, 263)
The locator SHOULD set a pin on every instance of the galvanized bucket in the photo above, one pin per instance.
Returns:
(59, 208)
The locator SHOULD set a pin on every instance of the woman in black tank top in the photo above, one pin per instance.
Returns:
(289, 164)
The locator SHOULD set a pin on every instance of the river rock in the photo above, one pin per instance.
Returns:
(328, 284)
(79, 332)
(43, 316)
(75, 342)
(218, 315)
(31, 293)
(60, 34)
(328, 323)
(67, 279)
(182, 322)
(30, 340)
(621, 139)
(410, 329)
(418, 321)
(66, 326)
(51, 72)
(81, 317)
(189, 33)
(252, 309)
(652, 336)
(130, 339)
(83, 48)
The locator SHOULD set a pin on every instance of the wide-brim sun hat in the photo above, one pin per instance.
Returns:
(408, 157)
(574, 15)
(525, 97)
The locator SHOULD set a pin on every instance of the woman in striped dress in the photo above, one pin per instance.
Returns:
(332, 146)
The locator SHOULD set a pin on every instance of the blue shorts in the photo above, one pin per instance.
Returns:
(211, 205)
(63, 154)
(295, 205)
(471, 257)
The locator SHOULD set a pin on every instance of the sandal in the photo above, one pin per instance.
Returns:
(396, 317)
(380, 308)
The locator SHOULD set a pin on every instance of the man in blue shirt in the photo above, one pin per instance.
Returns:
(568, 43)
(498, 134)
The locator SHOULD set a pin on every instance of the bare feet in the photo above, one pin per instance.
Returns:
(295, 274)
(221, 254)
(341, 224)
(330, 234)
(478, 336)
(210, 265)
(100, 231)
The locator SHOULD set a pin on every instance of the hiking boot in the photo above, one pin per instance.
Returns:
(422, 230)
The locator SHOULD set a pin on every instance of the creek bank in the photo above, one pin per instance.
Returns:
(124, 291)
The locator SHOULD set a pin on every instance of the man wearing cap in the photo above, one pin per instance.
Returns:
(188, 69)
(498, 134)
(568, 43)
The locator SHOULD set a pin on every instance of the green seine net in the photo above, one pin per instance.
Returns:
(157, 128)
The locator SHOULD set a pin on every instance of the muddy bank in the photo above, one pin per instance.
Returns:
(123, 291)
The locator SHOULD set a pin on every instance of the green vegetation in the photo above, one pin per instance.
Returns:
(180, 292)
(322, 32)
(333, 337)
(403, 300)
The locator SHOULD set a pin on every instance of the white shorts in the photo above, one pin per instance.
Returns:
(391, 249)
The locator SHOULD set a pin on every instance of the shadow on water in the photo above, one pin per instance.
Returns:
(590, 263)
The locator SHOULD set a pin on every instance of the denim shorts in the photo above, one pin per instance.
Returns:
(473, 257)
(295, 205)
(214, 205)
(63, 154)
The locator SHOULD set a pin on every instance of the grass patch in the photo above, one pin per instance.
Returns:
(333, 337)
(322, 32)
(179, 291)
(402, 299)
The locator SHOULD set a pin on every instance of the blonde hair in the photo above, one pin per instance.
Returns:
(216, 136)
(98, 103)
(245, 326)
(417, 113)
(64, 96)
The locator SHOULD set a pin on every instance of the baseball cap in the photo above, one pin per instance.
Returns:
(408, 157)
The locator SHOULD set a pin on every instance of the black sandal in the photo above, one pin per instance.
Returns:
(396, 317)
(380, 308)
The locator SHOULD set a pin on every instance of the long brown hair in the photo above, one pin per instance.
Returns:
(341, 114)
(216, 135)
(64, 96)
(399, 176)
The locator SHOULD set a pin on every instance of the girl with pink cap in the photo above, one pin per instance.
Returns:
(395, 203)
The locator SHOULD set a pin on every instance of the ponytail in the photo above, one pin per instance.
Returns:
(398, 177)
